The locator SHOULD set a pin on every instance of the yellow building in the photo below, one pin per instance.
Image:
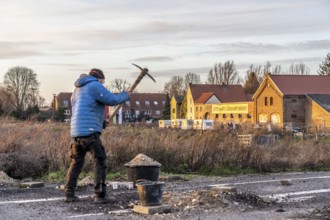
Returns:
(282, 99)
(318, 109)
(176, 102)
(222, 103)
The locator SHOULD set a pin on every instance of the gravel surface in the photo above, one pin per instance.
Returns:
(197, 198)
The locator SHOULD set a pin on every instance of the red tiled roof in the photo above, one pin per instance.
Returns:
(226, 93)
(302, 84)
(204, 97)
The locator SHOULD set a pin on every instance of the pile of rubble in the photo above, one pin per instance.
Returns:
(5, 179)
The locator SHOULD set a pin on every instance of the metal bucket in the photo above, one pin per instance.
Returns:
(150, 193)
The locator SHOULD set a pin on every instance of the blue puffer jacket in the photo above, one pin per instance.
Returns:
(88, 105)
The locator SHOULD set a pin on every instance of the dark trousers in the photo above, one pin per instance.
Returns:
(79, 147)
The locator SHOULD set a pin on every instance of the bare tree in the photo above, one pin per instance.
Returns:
(267, 67)
(277, 70)
(298, 69)
(119, 85)
(261, 71)
(224, 73)
(324, 67)
(20, 84)
(175, 87)
(191, 78)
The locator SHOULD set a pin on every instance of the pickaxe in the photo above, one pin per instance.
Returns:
(144, 72)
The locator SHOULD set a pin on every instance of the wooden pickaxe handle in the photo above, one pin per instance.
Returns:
(137, 81)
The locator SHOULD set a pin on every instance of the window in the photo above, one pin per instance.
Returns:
(173, 111)
(127, 103)
(164, 102)
(293, 116)
(157, 112)
(266, 101)
(137, 102)
(137, 112)
(239, 115)
(248, 115)
(231, 115)
(196, 109)
(66, 112)
(201, 108)
(155, 102)
(66, 103)
(271, 101)
(147, 103)
(148, 112)
(223, 115)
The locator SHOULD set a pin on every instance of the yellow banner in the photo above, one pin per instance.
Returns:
(230, 108)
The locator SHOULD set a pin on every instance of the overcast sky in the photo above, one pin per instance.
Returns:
(61, 39)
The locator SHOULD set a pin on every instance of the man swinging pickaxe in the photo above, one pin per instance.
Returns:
(144, 72)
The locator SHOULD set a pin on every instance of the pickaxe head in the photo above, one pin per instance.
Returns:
(144, 71)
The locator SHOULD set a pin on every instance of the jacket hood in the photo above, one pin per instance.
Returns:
(84, 79)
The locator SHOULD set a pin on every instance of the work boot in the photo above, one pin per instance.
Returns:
(104, 200)
(69, 199)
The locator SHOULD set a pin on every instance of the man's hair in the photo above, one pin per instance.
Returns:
(97, 73)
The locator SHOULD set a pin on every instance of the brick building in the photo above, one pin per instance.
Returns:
(221, 103)
(292, 100)
(63, 106)
(62, 109)
(141, 107)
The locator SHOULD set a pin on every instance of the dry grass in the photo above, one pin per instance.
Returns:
(32, 149)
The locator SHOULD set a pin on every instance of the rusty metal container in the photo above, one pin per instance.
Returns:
(142, 167)
(150, 192)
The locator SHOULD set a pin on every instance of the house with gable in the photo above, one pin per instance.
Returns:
(293, 100)
(222, 103)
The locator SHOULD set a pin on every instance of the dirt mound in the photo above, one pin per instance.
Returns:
(142, 160)
(4, 178)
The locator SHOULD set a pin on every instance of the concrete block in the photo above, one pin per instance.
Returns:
(31, 185)
(150, 210)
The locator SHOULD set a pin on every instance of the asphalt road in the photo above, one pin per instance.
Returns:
(270, 196)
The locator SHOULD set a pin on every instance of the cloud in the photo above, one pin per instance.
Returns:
(19, 49)
(180, 72)
(154, 59)
(266, 48)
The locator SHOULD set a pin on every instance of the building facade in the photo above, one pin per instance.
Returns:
(287, 100)
(221, 103)
(176, 103)
(141, 107)
(63, 107)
